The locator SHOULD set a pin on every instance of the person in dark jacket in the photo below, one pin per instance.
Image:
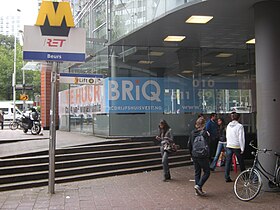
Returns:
(221, 144)
(212, 128)
(165, 137)
(200, 163)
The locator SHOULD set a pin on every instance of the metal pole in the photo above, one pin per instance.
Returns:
(23, 86)
(52, 141)
(14, 76)
(15, 67)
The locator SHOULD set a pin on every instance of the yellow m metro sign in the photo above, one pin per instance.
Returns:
(63, 10)
(55, 18)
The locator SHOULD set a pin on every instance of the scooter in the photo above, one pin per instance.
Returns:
(31, 122)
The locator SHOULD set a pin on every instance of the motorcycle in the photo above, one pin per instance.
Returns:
(30, 121)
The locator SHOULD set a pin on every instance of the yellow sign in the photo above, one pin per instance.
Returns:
(55, 17)
(23, 97)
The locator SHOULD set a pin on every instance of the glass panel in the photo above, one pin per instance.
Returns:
(128, 15)
(173, 83)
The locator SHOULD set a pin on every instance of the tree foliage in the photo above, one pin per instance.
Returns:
(7, 70)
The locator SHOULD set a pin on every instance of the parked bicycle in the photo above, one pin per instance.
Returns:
(249, 182)
(14, 124)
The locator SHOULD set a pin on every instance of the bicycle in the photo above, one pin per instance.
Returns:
(249, 182)
(14, 125)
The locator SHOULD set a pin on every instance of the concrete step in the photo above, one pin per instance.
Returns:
(85, 162)
(34, 159)
(44, 182)
(79, 170)
(78, 162)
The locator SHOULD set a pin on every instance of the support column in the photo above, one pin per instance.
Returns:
(45, 100)
(267, 33)
(45, 96)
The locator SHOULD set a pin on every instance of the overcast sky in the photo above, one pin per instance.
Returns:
(29, 9)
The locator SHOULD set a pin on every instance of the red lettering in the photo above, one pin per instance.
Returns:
(71, 96)
(84, 94)
(90, 93)
(96, 93)
(55, 42)
(78, 96)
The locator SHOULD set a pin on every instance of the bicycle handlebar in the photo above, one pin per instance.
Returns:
(261, 150)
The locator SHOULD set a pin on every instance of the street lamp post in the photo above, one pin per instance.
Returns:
(23, 75)
(15, 67)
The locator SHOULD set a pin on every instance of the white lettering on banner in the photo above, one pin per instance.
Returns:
(135, 108)
(127, 87)
(132, 92)
(54, 56)
(113, 89)
(154, 95)
(204, 83)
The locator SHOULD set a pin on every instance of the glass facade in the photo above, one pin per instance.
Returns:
(143, 84)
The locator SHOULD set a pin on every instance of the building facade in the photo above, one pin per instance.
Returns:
(147, 79)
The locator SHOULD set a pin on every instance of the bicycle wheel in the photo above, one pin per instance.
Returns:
(13, 125)
(247, 185)
(277, 177)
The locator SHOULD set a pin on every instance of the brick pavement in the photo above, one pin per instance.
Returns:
(138, 191)
(126, 192)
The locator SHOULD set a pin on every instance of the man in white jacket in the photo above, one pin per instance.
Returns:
(235, 144)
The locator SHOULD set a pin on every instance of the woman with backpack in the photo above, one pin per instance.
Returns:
(199, 150)
(165, 137)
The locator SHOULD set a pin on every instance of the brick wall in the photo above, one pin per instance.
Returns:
(46, 97)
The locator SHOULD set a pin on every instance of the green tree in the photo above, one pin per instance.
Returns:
(7, 69)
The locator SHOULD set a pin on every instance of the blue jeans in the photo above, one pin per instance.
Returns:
(165, 165)
(218, 152)
(201, 163)
(229, 153)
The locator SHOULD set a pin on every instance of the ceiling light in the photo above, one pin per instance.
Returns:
(187, 72)
(251, 41)
(199, 19)
(242, 71)
(203, 64)
(145, 62)
(174, 38)
(223, 55)
(156, 53)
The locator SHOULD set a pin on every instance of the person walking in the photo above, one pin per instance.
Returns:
(200, 159)
(165, 137)
(221, 144)
(2, 119)
(212, 128)
(235, 144)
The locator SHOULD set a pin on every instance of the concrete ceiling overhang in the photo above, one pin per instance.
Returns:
(231, 27)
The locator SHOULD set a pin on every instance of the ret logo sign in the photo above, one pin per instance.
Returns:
(54, 36)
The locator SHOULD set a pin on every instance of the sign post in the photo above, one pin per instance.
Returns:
(52, 143)
(55, 39)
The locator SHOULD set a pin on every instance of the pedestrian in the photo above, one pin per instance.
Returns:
(165, 137)
(2, 119)
(235, 144)
(201, 162)
(221, 144)
(212, 128)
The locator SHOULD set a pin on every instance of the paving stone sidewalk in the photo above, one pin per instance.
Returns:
(138, 191)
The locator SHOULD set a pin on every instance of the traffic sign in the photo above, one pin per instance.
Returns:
(23, 97)
(24, 87)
